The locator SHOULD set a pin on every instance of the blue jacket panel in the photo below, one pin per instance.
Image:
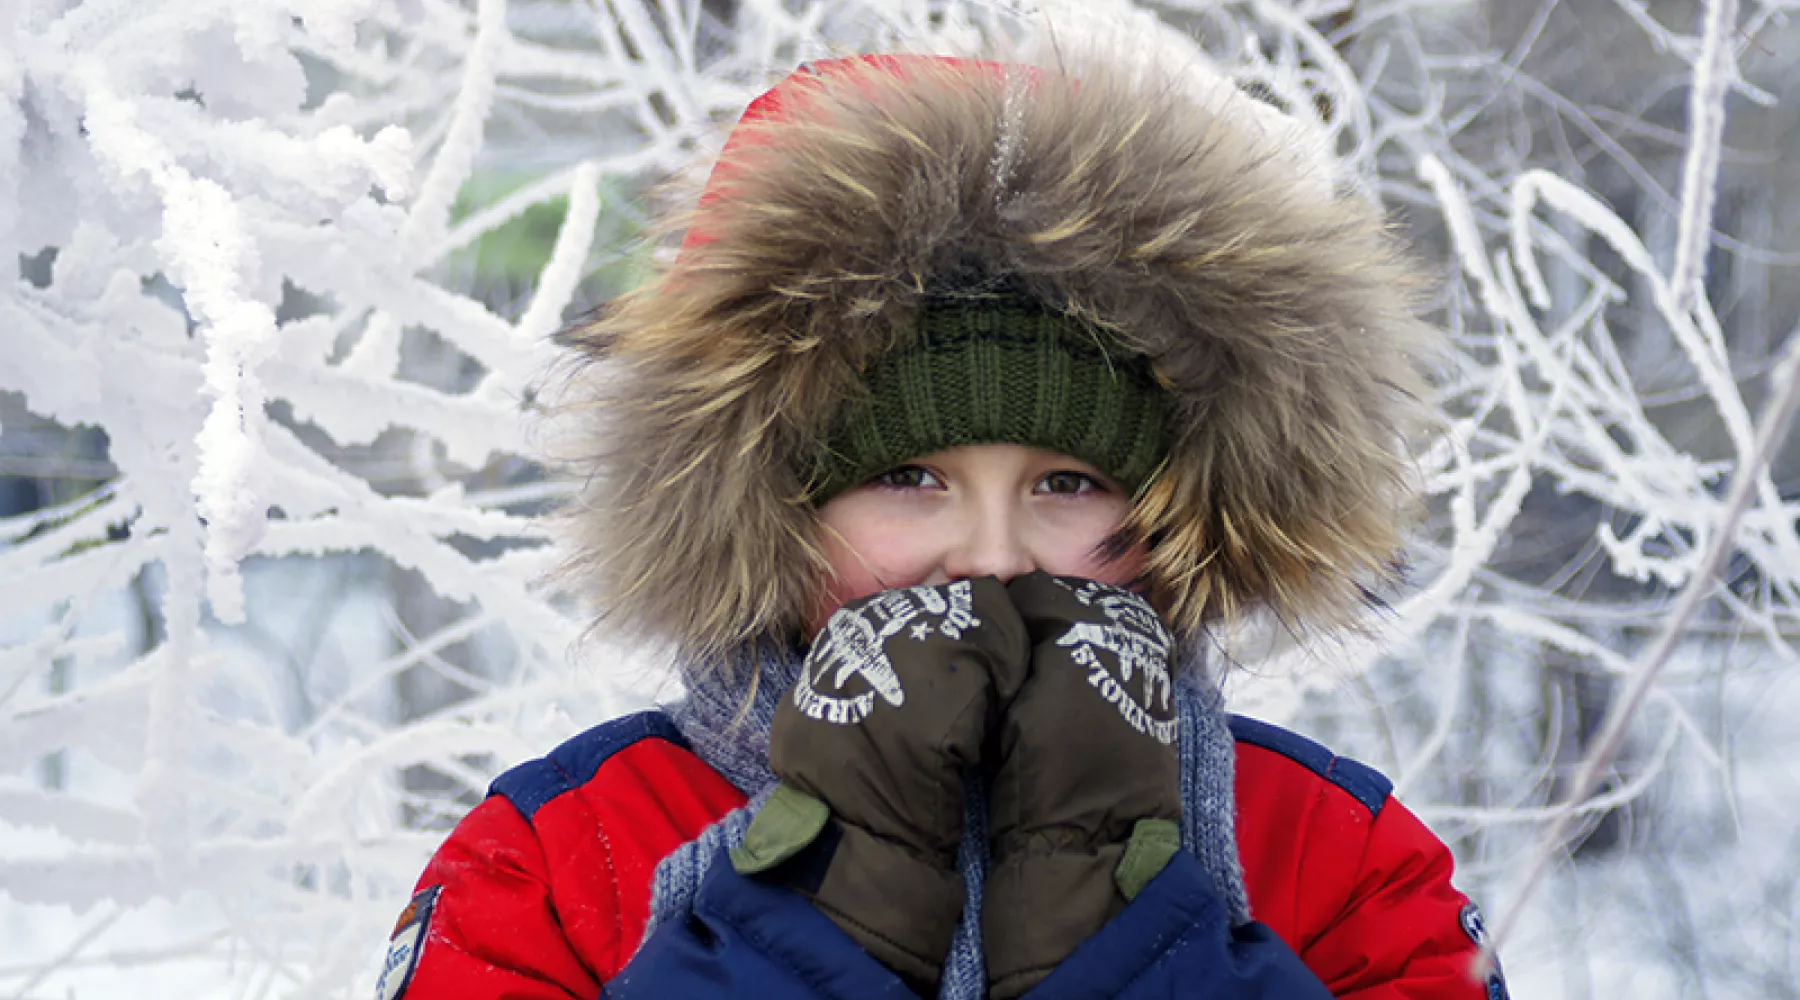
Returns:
(750, 938)
(1174, 941)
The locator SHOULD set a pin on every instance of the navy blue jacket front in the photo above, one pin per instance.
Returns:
(748, 938)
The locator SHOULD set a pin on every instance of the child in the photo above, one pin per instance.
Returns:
(975, 394)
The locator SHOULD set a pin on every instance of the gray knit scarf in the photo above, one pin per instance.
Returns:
(735, 742)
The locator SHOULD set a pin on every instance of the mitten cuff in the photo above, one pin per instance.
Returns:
(1039, 907)
(901, 908)
(1037, 910)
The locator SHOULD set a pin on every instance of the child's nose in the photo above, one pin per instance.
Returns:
(990, 545)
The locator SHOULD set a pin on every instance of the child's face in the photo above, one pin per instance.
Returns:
(981, 510)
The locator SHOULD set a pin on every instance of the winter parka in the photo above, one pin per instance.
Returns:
(543, 893)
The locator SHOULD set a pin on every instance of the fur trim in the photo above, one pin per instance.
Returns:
(1280, 317)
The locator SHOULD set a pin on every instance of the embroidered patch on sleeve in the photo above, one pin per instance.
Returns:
(405, 945)
(1476, 928)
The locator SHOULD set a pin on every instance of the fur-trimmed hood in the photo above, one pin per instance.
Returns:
(1279, 313)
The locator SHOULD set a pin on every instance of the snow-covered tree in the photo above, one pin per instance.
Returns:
(274, 458)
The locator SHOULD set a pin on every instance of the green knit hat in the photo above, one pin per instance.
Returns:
(1001, 369)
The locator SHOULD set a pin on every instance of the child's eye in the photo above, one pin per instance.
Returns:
(1069, 482)
(907, 477)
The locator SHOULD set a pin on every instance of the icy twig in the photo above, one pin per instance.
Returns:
(1626, 792)
(109, 915)
(1713, 73)
(557, 281)
(213, 259)
(430, 214)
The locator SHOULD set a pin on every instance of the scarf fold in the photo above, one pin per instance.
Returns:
(733, 739)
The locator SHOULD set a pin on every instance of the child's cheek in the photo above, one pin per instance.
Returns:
(1067, 536)
(836, 593)
(1124, 571)
(857, 572)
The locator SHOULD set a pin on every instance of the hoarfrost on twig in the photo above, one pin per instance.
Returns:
(303, 624)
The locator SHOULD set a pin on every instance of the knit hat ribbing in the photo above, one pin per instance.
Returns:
(1001, 369)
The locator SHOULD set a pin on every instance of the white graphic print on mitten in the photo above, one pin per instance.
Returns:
(854, 645)
(1136, 638)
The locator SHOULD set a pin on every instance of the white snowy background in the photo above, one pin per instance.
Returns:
(271, 477)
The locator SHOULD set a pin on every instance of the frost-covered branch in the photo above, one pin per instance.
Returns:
(1772, 430)
(1713, 73)
(288, 276)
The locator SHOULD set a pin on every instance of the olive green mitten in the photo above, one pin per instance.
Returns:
(1087, 796)
(897, 698)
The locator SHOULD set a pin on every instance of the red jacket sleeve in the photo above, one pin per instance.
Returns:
(1349, 877)
(492, 931)
(1404, 932)
(543, 891)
